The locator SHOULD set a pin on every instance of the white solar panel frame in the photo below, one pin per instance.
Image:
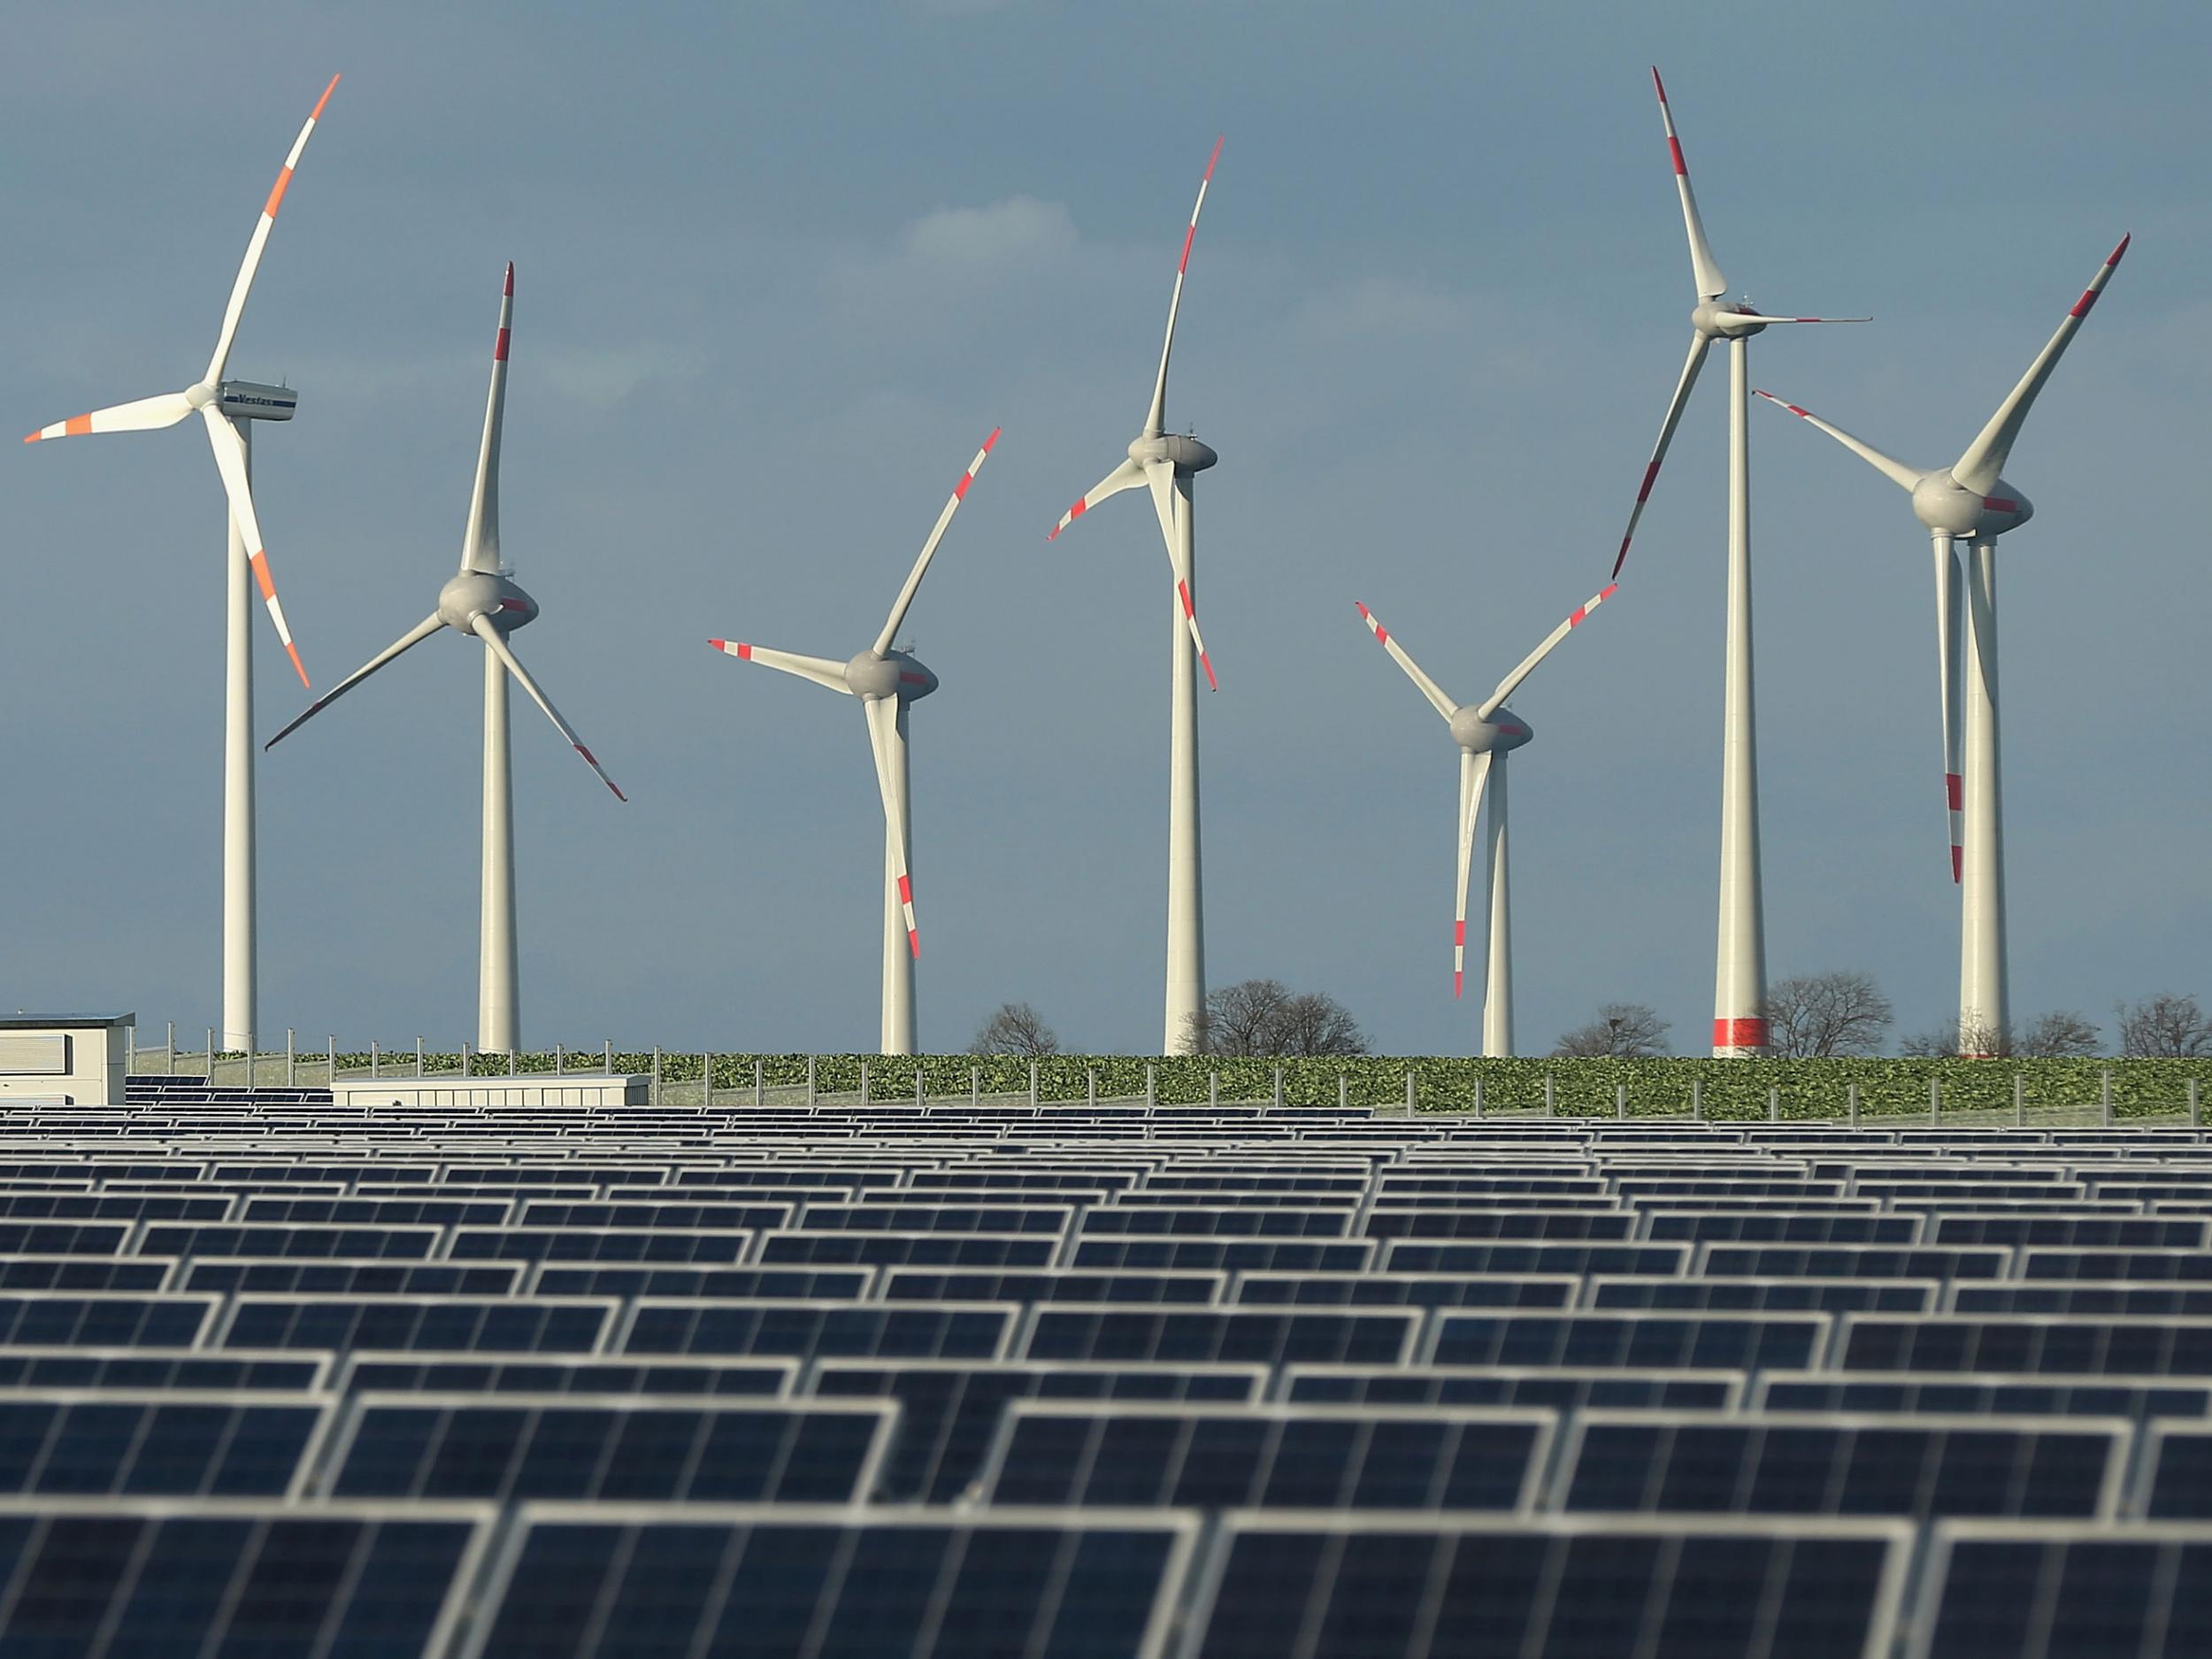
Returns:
(1916, 1640)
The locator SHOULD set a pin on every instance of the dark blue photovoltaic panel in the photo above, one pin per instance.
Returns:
(1297, 1255)
(513, 1449)
(2180, 1475)
(810, 1329)
(1769, 1295)
(920, 1249)
(627, 1279)
(881, 1216)
(1311, 1457)
(597, 1244)
(764, 1582)
(519, 1373)
(1252, 1336)
(1459, 1589)
(1408, 1290)
(117, 1444)
(950, 1410)
(2077, 1232)
(1559, 1387)
(110, 1581)
(103, 1319)
(2135, 1398)
(705, 1214)
(2105, 1265)
(1770, 1226)
(158, 1368)
(2070, 1593)
(2001, 1342)
(929, 1284)
(287, 1239)
(62, 1238)
(1605, 1222)
(356, 1279)
(379, 1212)
(1897, 1466)
(1426, 1256)
(1703, 1341)
(1206, 1222)
(449, 1324)
(1870, 1261)
(2066, 1296)
(83, 1272)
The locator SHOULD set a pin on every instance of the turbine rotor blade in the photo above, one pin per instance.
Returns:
(1474, 777)
(1162, 477)
(413, 637)
(1950, 663)
(1430, 689)
(260, 241)
(821, 670)
(1128, 475)
(481, 627)
(1905, 477)
(1156, 417)
(1691, 365)
(1710, 283)
(1977, 470)
(230, 461)
(929, 546)
(146, 414)
(883, 715)
(1511, 682)
(480, 542)
(1761, 317)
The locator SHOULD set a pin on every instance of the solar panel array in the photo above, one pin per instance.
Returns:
(984, 1378)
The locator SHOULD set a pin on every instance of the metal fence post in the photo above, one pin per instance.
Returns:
(1774, 1103)
(706, 1081)
(464, 1057)
(863, 1082)
(2019, 1100)
(2193, 1102)
(1409, 1091)
(1151, 1086)
(560, 1060)
(1033, 1083)
(606, 1055)
(1851, 1102)
(1697, 1100)
(656, 1095)
(1935, 1101)
(1213, 1086)
(1090, 1084)
(418, 1056)
(1620, 1103)
(2107, 1093)
(373, 1070)
(810, 1081)
(172, 1045)
(760, 1083)
(291, 1060)
(1478, 1097)
(1551, 1099)
(333, 1078)
(975, 1086)
(210, 1056)
(1278, 1088)
(1343, 1092)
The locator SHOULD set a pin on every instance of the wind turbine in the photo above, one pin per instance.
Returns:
(1487, 732)
(887, 682)
(1166, 462)
(1740, 987)
(482, 600)
(1968, 501)
(226, 406)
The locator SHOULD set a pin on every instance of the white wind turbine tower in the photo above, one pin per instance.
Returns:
(1487, 732)
(1968, 501)
(1739, 989)
(887, 681)
(1166, 462)
(483, 601)
(225, 406)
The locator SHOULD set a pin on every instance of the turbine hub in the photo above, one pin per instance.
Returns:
(1502, 733)
(1724, 319)
(894, 674)
(1187, 454)
(474, 594)
(199, 395)
(1941, 505)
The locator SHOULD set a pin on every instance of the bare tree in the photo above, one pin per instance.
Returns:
(1950, 1043)
(1266, 1018)
(1628, 1031)
(2060, 1035)
(1816, 1014)
(2164, 1025)
(1016, 1028)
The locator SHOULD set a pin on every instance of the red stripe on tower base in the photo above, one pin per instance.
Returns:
(1739, 1034)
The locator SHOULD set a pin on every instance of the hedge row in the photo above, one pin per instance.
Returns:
(1720, 1088)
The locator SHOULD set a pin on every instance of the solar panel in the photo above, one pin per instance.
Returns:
(2075, 1263)
(95, 1318)
(523, 1447)
(2135, 1398)
(528, 1373)
(1026, 1284)
(446, 1324)
(1408, 1290)
(1756, 1227)
(1562, 1388)
(1854, 1261)
(1433, 1587)
(921, 1250)
(806, 1330)
(2006, 1342)
(1777, 1295)
(1056, 1453)
(2077, 1232)
(598, 1244)
(967, 1216)
(379, 1212)
(1776, 1463)
(157, 1443)
(354, 1278)
(106, 1577)
(1211, 1221)
(625, 1279)
(2138, 1591)
(692, 1214)
(1601, 1221)
(1166, 1254)
(2176, 1480)
(2070, 1296)
(62, 1238)
(1702, 1341)
(84, 1273)
(287, 1239)
(1425, 1256)
(646, 1584)
(1251, 1335)
(91, 1367)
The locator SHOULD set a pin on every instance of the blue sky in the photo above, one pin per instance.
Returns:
(779, 269)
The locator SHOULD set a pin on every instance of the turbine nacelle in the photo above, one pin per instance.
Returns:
(249, 400)
(1718, 319)
(894, 674)
(1941, 502)
(474, 594)
(1501, 734)
(1186, 453)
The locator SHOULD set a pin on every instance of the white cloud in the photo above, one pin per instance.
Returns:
(1019, 227)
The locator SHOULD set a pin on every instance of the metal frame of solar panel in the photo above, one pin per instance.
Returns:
(1997, 1394)
(2140, 1590)
(2134, 1345)
(1562, 1388)
(1705, 1341)
(579, 1325)
(1441, 1588)
(490, 1374)
(234, 1576)
(651, 1325)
